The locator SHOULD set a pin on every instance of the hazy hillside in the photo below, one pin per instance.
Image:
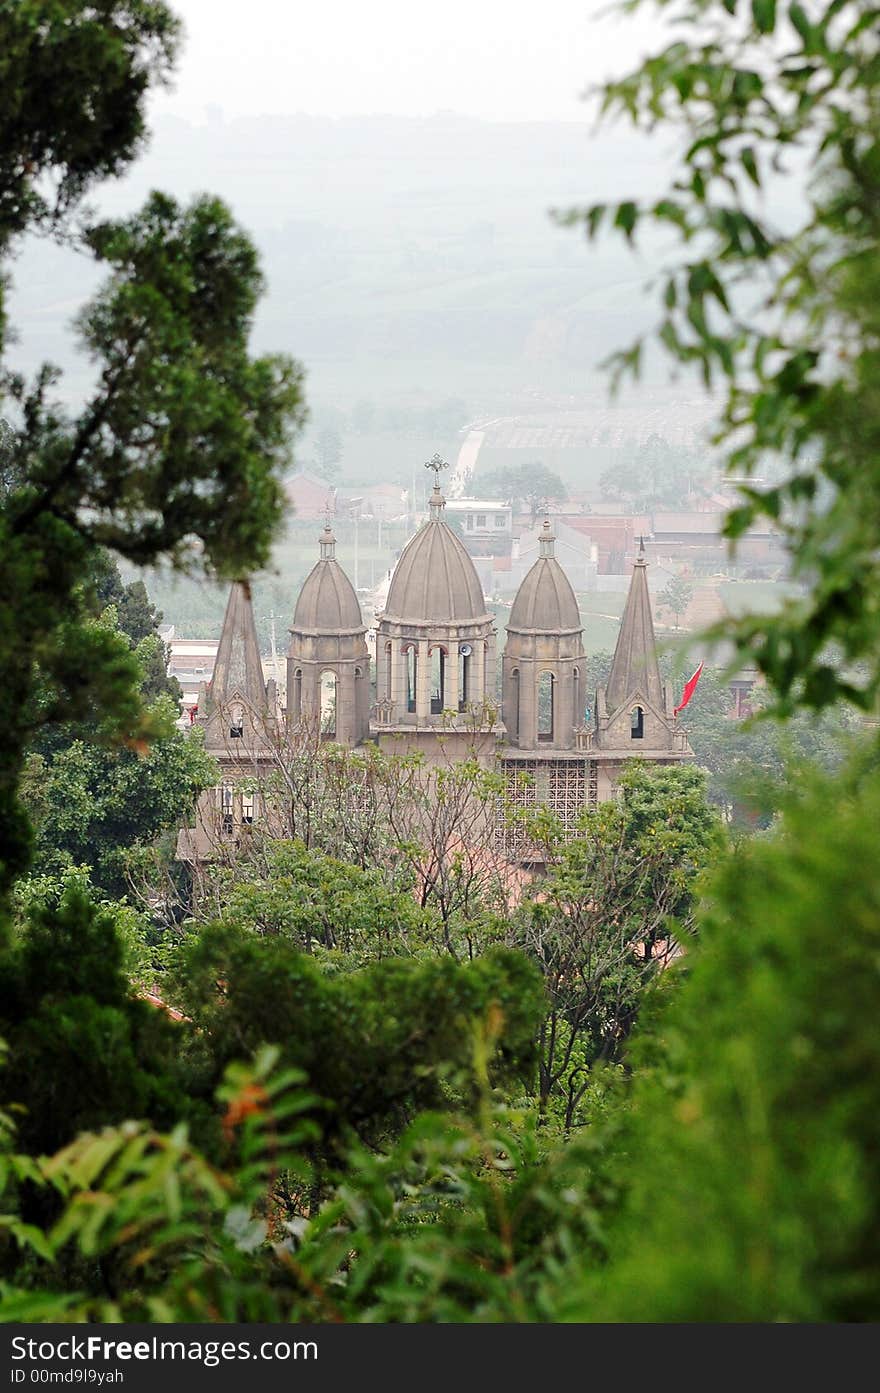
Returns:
(405, 258)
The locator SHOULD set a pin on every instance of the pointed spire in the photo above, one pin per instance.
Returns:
(238, 670)
(327, 543)
(634, 668)
(546, 539)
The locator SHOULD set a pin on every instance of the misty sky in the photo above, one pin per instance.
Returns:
(500, 59)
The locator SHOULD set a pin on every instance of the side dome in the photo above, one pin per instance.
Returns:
(545, 602)
(435, 580)
(327, 603)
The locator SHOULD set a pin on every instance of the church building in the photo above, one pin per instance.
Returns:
(437, 687)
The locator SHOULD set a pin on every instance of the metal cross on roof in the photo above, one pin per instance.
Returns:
(437, 463)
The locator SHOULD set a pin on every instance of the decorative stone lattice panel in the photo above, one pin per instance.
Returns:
(565, 787)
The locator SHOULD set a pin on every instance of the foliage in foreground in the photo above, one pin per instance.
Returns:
(782, 313)
(755, 1113)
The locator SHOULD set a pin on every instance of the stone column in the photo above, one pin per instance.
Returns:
(477, 670)
(398, 678)
(563, 725)
(528, 705)
(345, 722)
(423, 683)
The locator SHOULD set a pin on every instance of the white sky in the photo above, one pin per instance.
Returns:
(498, 59)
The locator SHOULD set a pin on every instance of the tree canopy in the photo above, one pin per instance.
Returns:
(178, 450)
(783, 317)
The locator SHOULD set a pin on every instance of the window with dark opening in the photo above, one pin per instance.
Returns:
(328, 703)
(412, 673)
(546, 702)
(637, 723)
(438, 680)
(464, 679)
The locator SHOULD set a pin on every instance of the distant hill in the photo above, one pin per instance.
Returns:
(406, 258)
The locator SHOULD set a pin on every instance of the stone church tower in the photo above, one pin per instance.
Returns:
(633, 715)
(328, 665)
(543, 691)
(237, 711)
(436, 648)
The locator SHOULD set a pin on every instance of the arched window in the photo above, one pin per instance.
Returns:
(437, 656)
(637, 723)
(328, 704)
(247, 807)
(236, 721)
(227, 815)
(464, 675)
(577, 709)
(546, 704)
(514, 715)
(296, 695)
(388, 671)
(411, 655)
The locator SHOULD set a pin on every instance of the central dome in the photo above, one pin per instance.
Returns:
(327, 603)
(435, 580)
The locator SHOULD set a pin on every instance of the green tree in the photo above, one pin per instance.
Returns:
(95, 806)
(376, 1043)
(83, 1049)
(533, 484)
(320, 904)
(658, 476)
(785, 315)
(610, 913)
(675, 597)
(754, 1140)
(328, 453)
(179, 449)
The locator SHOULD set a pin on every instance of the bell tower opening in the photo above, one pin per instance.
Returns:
(437, 656)
(411, 657)
(328, 704)
(464, 675)
(546, 704)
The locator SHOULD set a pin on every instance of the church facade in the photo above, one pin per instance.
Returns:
(437, 687)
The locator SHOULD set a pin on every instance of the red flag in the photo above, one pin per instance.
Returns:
(690, 687)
